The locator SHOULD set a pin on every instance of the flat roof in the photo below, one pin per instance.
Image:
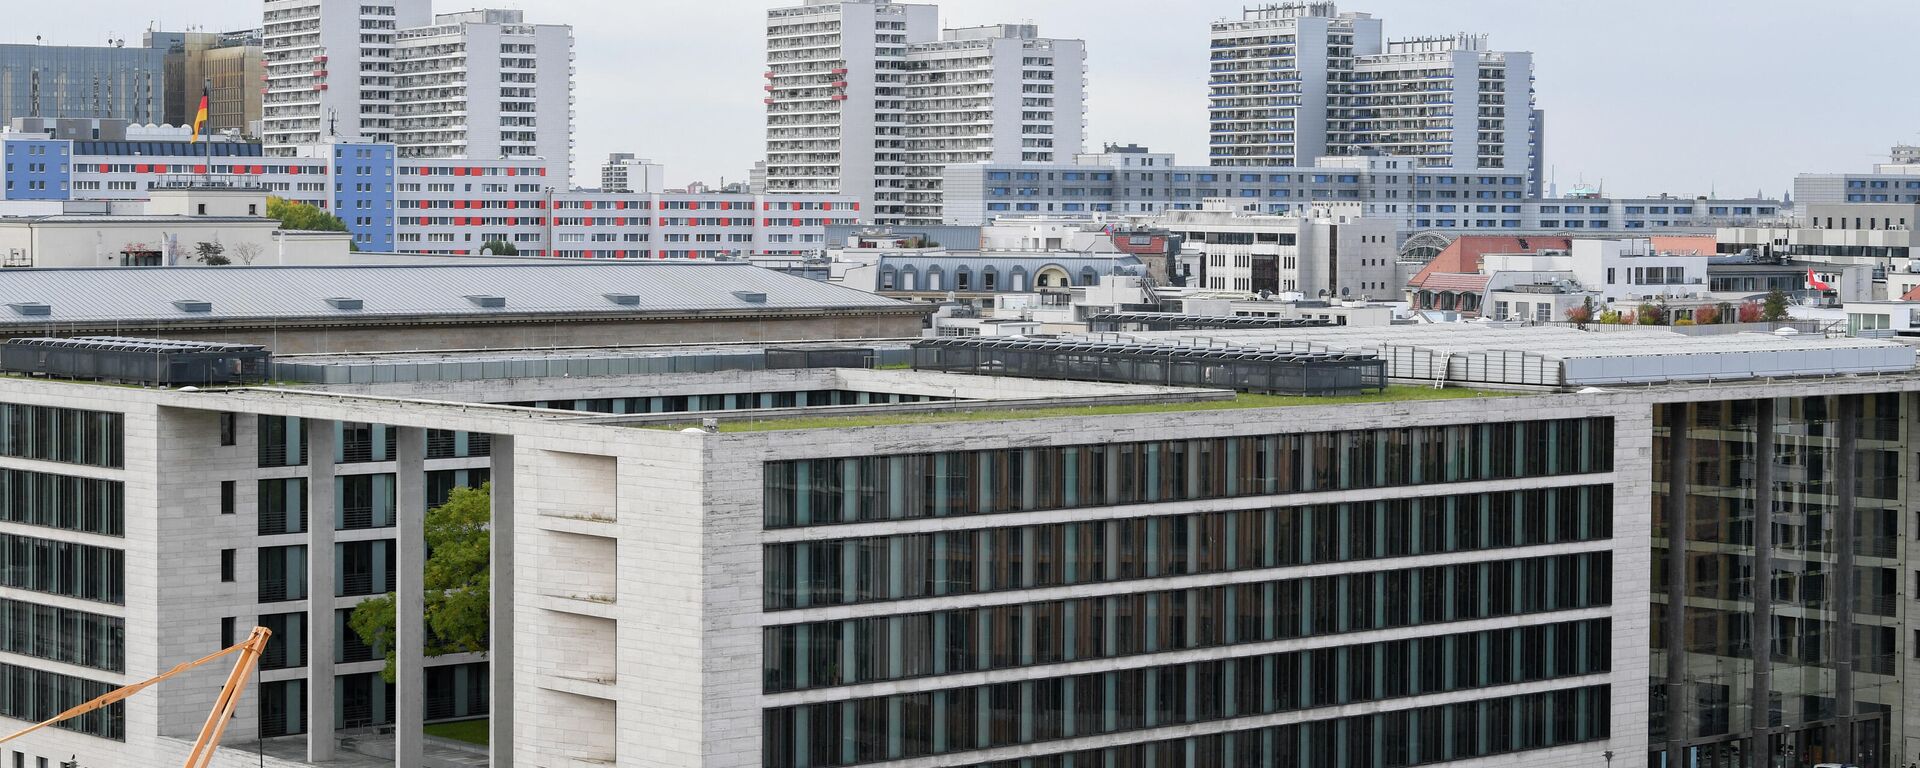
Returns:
(155, 294)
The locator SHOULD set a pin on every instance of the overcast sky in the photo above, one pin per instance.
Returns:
(1681, 96)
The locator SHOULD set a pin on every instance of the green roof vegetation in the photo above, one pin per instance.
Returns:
(989, 411)
(469, 731)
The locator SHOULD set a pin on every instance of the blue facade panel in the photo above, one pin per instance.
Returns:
(38, 169)
(363, 193)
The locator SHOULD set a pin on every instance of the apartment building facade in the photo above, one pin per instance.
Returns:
(485, 84)
(330, 69)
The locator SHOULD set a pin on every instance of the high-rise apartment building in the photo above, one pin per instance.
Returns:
(330, 69)
(484, 85)
(865, 98)
(1296, 81)
(836, 78)
(228, 63)
(991, 94)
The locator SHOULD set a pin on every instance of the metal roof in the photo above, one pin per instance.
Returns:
(1206, 321)
(1007, 262)
(136, 294)
(125, 344)
(1556, 356)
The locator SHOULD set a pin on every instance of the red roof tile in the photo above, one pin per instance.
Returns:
(1463, 254)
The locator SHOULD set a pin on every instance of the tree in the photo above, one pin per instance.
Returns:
(1610, 317)
(499, 248)
(1750, 312)
(456, 584)
(1774, 309)
(1707, 315)
(247, 251)
(1649, 314)
(212, 254)
(301, 216)
(1583, 314)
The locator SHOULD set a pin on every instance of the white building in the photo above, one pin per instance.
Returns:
(992, 94)
(330, 68)
(485, 85)
(1331, 252)
(1291, 82)
(867, 98)
(836, 78)
(624, 172)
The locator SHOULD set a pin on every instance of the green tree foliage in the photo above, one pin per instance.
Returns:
(212, 254)
(1774, 309)
(1650, 315)
(301, 216)
(500, 248)
(456, 582)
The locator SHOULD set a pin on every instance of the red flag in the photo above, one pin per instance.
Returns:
(1815, 282)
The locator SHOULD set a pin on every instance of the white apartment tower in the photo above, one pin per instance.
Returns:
(485, 85)
(1296, 81)
(1278, 75)
(867, 98)
(1447, 101)
(329, 69)
(991, 94)
(836, 72)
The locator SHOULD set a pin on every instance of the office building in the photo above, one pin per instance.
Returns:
(330, 69)
(1410, 577)
(1896, 181)
(83, 81)
(485, 85)
(1330, 251)
(623, 172)
(1295, 81)
(844, 77)
(228, 65)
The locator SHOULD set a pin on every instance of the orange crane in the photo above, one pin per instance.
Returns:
(202, 754)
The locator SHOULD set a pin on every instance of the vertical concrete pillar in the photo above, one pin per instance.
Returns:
(500, 616)
(320, 580)
(410, 514)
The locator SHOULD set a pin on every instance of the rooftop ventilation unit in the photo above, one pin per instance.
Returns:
(339, 302)
(751, 297)
(623, 299)
(32, 308)
(490, 302)
(193, 305)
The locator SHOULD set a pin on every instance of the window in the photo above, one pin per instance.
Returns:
(226, 566)
(229, 428)
(226, 632)
(226, 497)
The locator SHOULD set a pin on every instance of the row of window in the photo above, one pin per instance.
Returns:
(67, 435)
(69, 503)
(63, 568)
(831, 653)
(34, 695)
(63, 634)
(899, 726)
(908, 566)
(1407, 737)
(862, 489)
(282, 442)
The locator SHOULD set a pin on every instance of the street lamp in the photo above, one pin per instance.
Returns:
(1609, 756)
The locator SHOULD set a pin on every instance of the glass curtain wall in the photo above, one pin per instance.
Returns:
(1823, 474)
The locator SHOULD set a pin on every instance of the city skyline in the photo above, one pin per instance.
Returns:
(1720, 84)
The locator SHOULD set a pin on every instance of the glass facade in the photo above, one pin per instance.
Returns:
(64, 635)
(882, 728)
(957, 483)
(63, 568)
(909, 566)
(34, 695)
(1776, 580)
(67, 435)
(1418, 736)
(830, 653)
(81, 504)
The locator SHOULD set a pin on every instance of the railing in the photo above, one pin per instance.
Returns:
(355, 518)
(356, 584)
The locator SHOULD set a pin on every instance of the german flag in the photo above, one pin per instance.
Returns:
(200, 117)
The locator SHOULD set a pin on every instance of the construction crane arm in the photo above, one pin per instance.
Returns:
(249, 650)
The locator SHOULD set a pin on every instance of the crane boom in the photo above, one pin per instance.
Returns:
(203, 748)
